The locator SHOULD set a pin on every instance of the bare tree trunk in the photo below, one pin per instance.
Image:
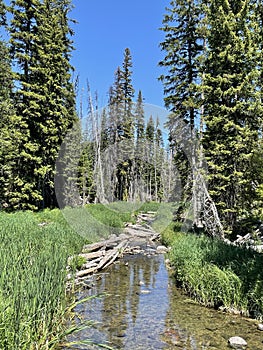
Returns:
(96, 132)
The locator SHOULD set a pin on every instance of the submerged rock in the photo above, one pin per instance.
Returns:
(145, 291)
(237, 343)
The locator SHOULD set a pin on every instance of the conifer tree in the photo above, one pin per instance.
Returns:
(139, 118)
(45, 99)
(182, 49)
(139, 148)
(116, 107)
(231, 106)
(128, 94)
(122, 127)
(11, 127)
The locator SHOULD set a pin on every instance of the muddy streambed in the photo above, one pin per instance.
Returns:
(142, 310)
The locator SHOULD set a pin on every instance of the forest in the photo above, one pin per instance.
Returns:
(212, 78)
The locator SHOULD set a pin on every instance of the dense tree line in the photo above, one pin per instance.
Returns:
(213, 81)
(124, 154)
(114, 154)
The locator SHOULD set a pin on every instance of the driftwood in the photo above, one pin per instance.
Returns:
(93, 255)
(102, 254)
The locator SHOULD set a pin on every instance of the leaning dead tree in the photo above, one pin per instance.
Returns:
(204, 209)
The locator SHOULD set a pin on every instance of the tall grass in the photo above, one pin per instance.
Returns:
(33, 301)
(34, 304)
(217, 274)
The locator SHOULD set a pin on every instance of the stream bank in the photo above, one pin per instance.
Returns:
(140, 308)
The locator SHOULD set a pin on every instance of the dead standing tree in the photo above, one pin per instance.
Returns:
(204, 209)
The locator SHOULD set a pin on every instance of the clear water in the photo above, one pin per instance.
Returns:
(142, 309)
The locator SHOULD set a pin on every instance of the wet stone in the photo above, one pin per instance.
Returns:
(144, 291)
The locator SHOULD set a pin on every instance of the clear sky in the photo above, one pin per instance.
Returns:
(105, 28)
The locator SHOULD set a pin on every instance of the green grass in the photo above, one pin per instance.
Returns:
(215, 273)
(33, 302)
(112, 215)
(34, 305)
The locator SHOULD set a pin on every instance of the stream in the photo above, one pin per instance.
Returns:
(141, 309)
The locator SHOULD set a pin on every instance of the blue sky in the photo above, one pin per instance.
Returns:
(105, 28)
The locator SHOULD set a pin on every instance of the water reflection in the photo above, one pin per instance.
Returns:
(142, 309)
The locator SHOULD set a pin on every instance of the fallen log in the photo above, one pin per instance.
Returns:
(104, 261)
(85, 272)
(115, 256)
(91, 263)
(93, 255)
(93, 246)
(111, 254)
(109, 243)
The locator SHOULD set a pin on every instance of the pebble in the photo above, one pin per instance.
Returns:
(144, 291)
(237, 343)
(260, 326)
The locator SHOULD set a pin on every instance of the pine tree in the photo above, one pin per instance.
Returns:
(231, 106)
(116, 107)
(183, 48)
(128, 94)
(139, 159)
(121, 120)
(45, 98)
(139, 118)
(149, 164)
(11, 127)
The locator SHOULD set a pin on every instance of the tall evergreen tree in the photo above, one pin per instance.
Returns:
(182, 49)
(11, 127)
(45, 99)
(122, 126)
(139, 118)
(231, 106)
(128, 94)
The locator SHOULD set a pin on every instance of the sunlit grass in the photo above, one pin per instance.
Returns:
(33, 261)
(34, 249)
(215, 273)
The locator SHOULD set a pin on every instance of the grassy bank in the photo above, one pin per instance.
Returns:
(216, 274)
(33, 259)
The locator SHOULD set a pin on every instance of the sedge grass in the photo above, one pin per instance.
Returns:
(215, 273)
(32, 281)
(34, 305)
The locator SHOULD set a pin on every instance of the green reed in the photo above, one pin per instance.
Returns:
(33, 263)
(35, 308)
